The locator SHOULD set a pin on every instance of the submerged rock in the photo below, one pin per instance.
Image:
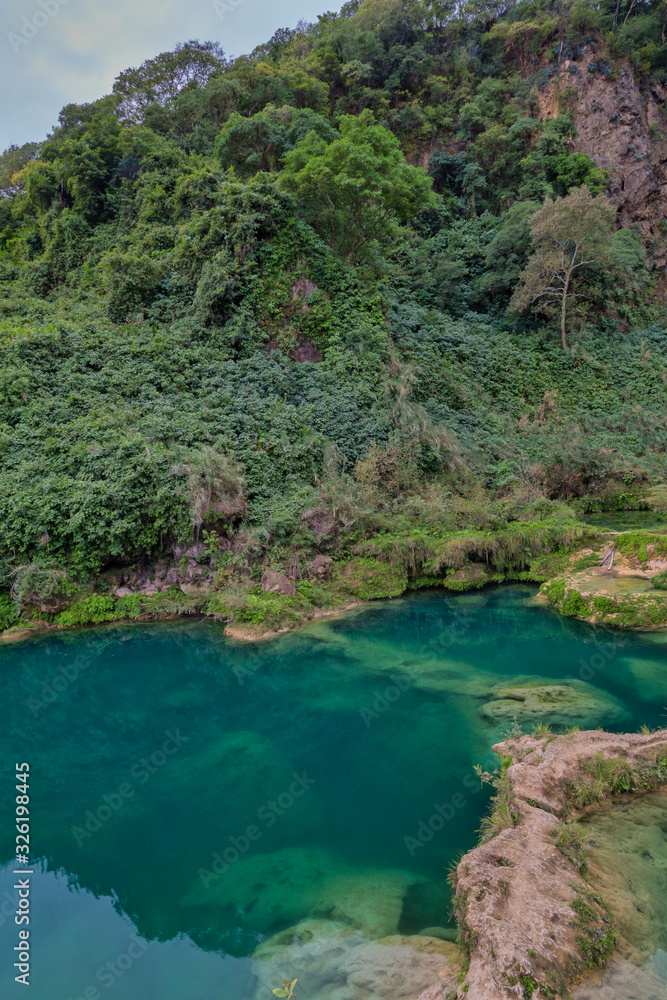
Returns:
(312, 951)
(397, 968)
(267, 890)
(624, 981)
(371, 901)
(332, 962)
(557, 704)
(626, 848)
(444, 933)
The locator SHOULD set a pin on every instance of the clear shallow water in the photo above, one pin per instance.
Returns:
(199, 795)
(626, 849)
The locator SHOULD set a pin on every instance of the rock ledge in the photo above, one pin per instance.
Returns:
(533, 924)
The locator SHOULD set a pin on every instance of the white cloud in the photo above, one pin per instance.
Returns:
(78, 47)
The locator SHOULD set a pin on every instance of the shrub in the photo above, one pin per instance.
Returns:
(90, 611)
(9, 613)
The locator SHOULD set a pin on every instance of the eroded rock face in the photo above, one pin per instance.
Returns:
(622, 129)
(519, 897)
(277, 583)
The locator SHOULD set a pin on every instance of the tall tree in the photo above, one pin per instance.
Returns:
(571, 238)
(160, 80)
(358, 188)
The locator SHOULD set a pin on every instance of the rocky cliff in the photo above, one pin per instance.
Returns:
(622, 126)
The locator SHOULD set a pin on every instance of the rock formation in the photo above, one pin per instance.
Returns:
(623, 129)
(531, 921)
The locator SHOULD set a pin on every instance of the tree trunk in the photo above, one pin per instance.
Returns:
(563, 339)
(618, 4)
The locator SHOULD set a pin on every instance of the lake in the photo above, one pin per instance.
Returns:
(192, 797)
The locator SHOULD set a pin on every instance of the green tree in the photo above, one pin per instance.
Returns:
(261, 142)
(12, 165)
(571, 237)
(506, 255)
(160, 80)
(358, 188)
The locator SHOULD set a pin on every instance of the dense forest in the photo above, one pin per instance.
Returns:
(356, 296)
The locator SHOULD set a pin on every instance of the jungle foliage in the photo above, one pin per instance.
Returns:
(266, 301)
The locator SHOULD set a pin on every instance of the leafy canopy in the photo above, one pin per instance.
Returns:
(572, 244)
(358, 188)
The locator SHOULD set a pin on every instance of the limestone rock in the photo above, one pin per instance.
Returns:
(557, 704)
(321, 567)
(269, 890)
(371, 901)
(399, 968)
(277, 583)
(621, 127)
(626, 848)
(196, 551)
(444, 933)
(313, 951)
(518, 889)
(333, 962)
(624, 981)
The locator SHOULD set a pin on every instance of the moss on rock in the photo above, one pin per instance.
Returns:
(370, 579)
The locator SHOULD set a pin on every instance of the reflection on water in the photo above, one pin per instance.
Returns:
(82, 946)
(208, 796)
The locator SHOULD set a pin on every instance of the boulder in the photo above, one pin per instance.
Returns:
(556, 704)
(196, 551)
(333, 962)
(123, 592)
(321, 567)
(277, 583)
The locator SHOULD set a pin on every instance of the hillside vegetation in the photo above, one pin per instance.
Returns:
(303, 303)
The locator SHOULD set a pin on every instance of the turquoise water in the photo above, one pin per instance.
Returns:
(192, 796)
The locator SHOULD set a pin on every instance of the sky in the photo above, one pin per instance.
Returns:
(57, 52)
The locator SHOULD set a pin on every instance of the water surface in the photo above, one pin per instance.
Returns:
(191, 797)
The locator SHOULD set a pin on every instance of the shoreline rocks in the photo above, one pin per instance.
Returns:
(531, 922)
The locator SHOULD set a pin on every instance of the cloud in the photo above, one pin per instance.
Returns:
(55, 52)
